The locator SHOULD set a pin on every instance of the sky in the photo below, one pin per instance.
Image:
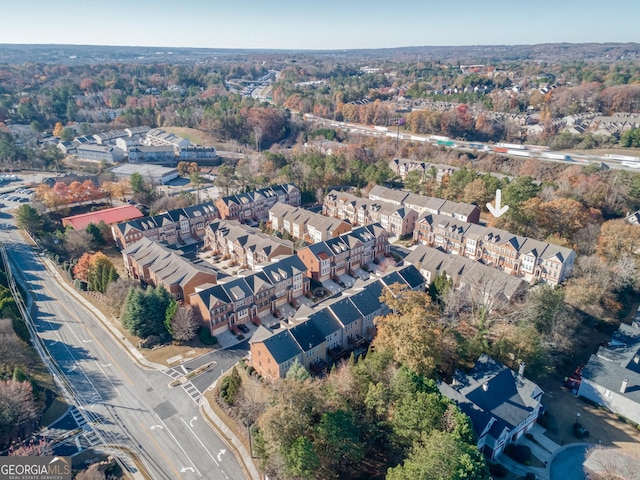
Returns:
(317, 25)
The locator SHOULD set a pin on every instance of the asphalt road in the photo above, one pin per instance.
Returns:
(136, 407)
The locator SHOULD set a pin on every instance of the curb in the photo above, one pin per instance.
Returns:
(106, 324)
(228, 437)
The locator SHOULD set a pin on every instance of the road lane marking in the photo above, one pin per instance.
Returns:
(200, 441)
(161, 450)
(178, 443)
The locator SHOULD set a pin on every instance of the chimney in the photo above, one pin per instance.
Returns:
(623, 387)
(485, 386)
(521, 369)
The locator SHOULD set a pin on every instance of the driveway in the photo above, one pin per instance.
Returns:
(566, 464)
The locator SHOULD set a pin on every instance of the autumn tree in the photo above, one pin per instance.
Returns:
(57, 130)
(616, 239)
(411, 330)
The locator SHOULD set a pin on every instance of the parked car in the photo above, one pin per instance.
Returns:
(579, 431)
(243, 328)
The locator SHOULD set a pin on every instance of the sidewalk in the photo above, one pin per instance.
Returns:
(228, 437)
(128, 346)
(225, 433)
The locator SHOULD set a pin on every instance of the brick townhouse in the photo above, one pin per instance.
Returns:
(255, 205)
(305, 225)
(346, 253)
(171, 227)
(247, 246)
(522, 256)
(248, 299)
(318, 336)
(156, 265)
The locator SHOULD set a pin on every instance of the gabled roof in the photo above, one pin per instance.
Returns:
(291, 266)
(412, 276)
(368, 300)
(344, 311)
(282, 345)
(166, 264)
(498, 391)
(616, 361)
(324, 322)
(307, 335)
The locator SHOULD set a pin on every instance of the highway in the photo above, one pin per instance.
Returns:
(392, 133)
(119, 403)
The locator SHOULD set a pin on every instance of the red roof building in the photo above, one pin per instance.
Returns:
(110, 216)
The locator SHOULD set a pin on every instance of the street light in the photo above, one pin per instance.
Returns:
(577, 418)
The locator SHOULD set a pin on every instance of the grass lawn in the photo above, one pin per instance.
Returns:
(193, 135)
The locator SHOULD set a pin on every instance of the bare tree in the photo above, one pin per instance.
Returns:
(184, 324)
(117, 293)
(41, 448)
(11, 347)
(17, 405)
(76, 243)
(625, 271)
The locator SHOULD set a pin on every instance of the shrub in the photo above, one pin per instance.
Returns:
(519, 453)
(497, 470)
(205, 336)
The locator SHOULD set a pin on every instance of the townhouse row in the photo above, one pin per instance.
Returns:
(318, 336)
(486, 284)
(246, 246)
(171, 227)
(395, 210)
(283, 279)
(158, 266)
(174, 226)
(304, 225)
(248, 299)
(345, 254)
(525, 257)
(402, 167)
(255, 205)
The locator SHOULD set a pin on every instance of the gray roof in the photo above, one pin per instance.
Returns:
(282, 346)
(344, 311)
(615, 362)
(324, 323)
(508, 396)
(167, 265)
(307, 335)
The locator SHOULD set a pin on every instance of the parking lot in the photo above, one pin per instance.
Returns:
(18, 196)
